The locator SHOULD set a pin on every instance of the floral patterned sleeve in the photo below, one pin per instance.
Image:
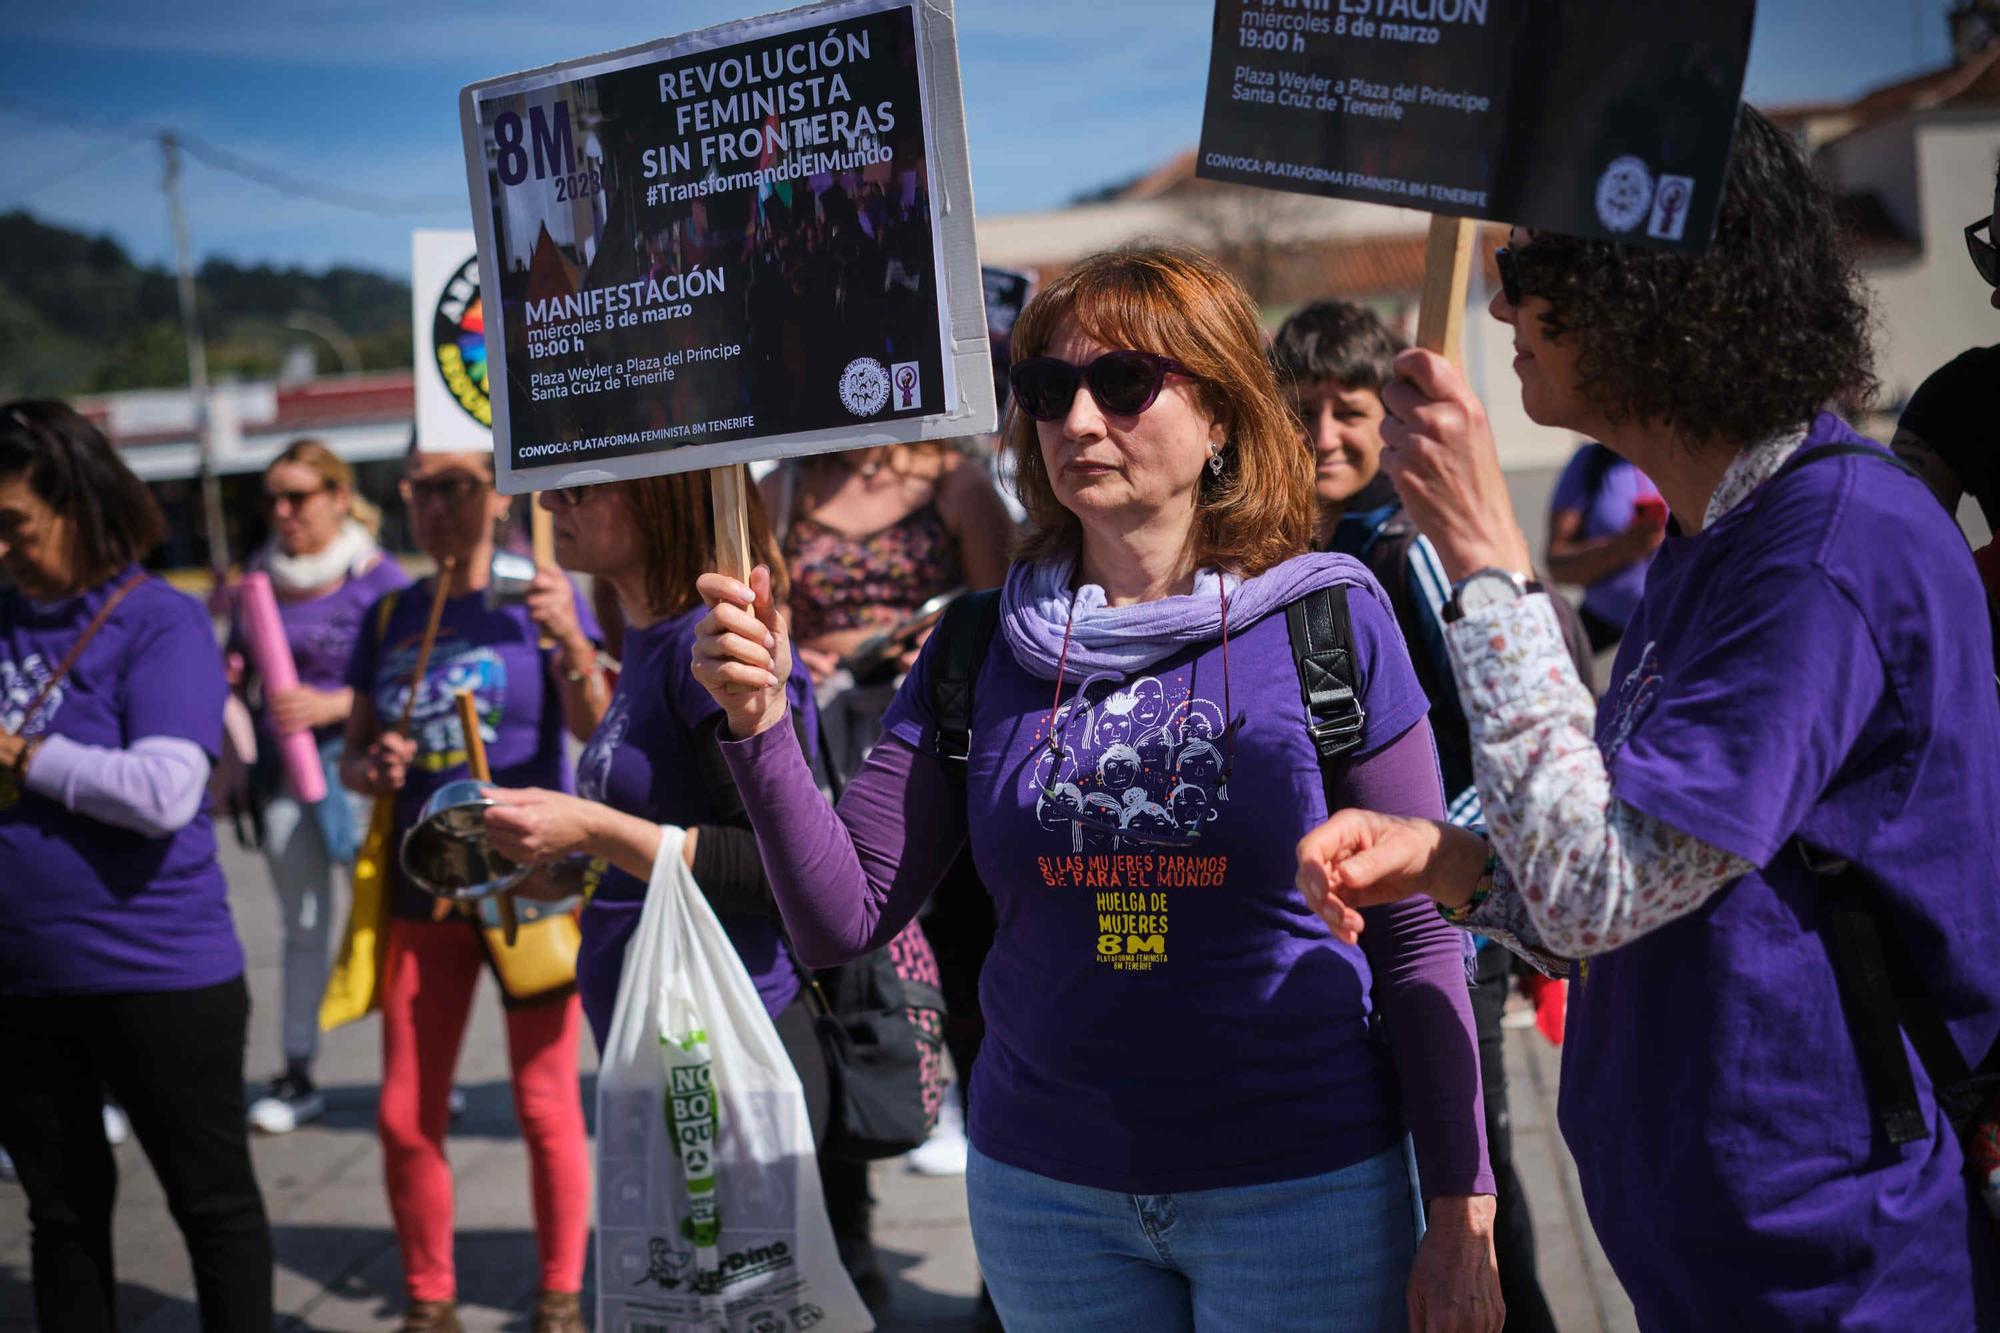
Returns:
(1582, 872)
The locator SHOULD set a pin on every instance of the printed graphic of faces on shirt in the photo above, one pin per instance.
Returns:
(1140, 764)
(454, 666)
(19, 684)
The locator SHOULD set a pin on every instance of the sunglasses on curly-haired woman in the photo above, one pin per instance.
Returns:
(1985, 257)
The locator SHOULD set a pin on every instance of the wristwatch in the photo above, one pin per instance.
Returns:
(1487, 587)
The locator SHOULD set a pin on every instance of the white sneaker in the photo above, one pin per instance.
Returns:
(289, 1102)
(117, 1128)
(943, 1153)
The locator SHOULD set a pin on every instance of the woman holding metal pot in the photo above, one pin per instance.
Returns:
(526, 696)
(652, 760)
(1797, 767)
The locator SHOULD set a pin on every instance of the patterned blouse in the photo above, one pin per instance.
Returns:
(1582, 872)
(841, 582)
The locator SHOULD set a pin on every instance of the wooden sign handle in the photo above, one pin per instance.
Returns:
(439, 597)
(1447, 274)
(728, 488)
(475, 760)
(542, 535)
(729, 504)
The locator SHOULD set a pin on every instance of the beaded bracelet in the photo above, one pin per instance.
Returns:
(1482, 889)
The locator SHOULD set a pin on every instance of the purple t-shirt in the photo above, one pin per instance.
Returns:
(641, 760)
(1608, 507)
(1165, 1015)
(495, 655)
(86, 907)
(1815, 665)
(321, 630)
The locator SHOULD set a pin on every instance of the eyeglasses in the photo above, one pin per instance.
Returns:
(1124, 383)
(1985, 257)
(276, 500)
(450, 490)
(569, 497)
(1510, 275)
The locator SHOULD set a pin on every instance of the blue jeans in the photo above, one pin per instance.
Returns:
(1328, 1252)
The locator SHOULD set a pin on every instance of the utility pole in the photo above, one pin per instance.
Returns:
(211, 488)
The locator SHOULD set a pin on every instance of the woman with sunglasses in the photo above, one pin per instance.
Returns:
(1797, 765)
(527, 697)
(1182, 1115)
(119, 965)
(327, 571)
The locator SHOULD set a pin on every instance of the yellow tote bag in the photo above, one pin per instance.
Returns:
(354, 987)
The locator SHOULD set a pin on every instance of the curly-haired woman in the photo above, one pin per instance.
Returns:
(1802, 734)
(1181, 1116)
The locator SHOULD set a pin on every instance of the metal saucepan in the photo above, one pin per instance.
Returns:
(445, 852)
(507, 580)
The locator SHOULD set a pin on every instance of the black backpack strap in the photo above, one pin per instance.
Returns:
(1329, 677)
(1818, 452)
(1884, 999)
(963, 634)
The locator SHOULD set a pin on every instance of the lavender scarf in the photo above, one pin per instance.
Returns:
(1035, 612)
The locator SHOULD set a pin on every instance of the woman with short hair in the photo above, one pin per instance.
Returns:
(1182, 1114)
(1801, 734)
(325, 571)
(119, 964)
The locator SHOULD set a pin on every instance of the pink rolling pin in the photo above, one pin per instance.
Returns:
(272, 656)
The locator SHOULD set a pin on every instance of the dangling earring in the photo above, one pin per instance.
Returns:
(1215, 461)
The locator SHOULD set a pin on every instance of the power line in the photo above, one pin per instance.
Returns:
(33, 186)
(236, 164)
(272, 178)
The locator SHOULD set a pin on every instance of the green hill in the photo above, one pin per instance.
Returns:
(78, 316)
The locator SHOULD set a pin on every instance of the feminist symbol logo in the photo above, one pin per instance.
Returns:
(1670, 208)
(907, 392)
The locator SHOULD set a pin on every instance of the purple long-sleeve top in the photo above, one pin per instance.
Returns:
(1163, 1012)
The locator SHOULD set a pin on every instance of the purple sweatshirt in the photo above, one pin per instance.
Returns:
(1163, 1012)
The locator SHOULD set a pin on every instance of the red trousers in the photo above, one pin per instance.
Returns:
(427, 990)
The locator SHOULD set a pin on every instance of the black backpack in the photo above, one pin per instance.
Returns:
(1322, 635)
(1882, 993)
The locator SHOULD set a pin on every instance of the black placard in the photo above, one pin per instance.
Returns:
(1599, 118)
(720, 242)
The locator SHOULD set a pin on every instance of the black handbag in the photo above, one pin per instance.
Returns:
(881, 1026)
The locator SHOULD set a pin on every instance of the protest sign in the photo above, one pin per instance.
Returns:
(448, 333)
(1599, 119)
(1007, 292)
(745, 243)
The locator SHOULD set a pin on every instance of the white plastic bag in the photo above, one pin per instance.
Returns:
(709, 1210)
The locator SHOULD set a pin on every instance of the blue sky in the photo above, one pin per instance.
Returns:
(1061, 96)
